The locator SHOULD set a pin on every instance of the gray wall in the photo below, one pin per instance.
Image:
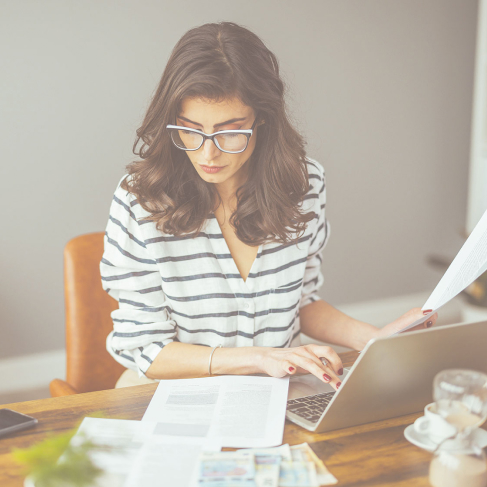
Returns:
(381, 88)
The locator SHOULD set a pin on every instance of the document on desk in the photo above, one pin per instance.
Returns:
(119, 443)
(468, 265)
(231, 411)
(130, 455)
(166, 462)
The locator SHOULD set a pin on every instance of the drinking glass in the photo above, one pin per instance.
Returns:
(461, 399)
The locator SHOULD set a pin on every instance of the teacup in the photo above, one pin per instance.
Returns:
(433, 425)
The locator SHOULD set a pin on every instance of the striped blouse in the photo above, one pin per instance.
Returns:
(188, 289)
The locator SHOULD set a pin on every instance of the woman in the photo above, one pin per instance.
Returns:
(214, 241)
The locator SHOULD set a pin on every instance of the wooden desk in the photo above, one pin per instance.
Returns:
(376, 454)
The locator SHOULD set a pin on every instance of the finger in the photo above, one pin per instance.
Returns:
(429, 322)
(416, 314)
(426, 324)
(288, 367)
(328, 372)
(305, 352)
(334, 361)
(328, 377)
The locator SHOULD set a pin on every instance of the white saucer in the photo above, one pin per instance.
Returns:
(426, 443)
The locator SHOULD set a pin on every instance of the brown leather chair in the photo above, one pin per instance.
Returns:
(88, 322)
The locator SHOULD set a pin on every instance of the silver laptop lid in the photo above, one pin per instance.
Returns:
(394, 376)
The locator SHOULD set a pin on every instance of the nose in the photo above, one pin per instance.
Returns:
(210, 150)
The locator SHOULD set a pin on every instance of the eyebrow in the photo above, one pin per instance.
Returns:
(233, 120)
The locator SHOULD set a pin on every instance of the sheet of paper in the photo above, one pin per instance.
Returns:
(231, 411)
(166, 461)
(124, 441)
(469, 263)
(135, 456)
(118, 435)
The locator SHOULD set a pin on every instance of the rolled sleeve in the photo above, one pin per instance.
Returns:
(313, 277)
(142, 325)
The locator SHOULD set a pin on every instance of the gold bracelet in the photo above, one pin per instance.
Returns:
(211, 355)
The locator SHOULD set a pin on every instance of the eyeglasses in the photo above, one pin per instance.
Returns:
(230, 141)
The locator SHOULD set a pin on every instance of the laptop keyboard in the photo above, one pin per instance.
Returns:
(310, 407)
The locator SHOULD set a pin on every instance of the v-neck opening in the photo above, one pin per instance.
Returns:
(233, 263)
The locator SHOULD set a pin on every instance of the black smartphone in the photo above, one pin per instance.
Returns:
(12, 421)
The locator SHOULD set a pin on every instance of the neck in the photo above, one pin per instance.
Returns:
(228, 189)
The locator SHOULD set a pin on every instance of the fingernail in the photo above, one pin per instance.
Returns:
(338, 384)
(291, 369)
(327, 377)
(340, 371)
(426, 311)
(430, 323)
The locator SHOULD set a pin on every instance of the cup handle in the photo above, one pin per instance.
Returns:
(421, 425)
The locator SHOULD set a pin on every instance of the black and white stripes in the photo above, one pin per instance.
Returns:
(190, 290)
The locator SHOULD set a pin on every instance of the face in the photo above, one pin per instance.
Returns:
(214, 166)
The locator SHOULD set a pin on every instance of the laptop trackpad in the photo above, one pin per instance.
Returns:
(308, 385)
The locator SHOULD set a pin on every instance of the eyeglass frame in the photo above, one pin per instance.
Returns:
(247, 132)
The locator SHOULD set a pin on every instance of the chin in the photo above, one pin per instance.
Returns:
(215, 177)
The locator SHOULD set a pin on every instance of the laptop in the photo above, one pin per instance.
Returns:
(392, 376)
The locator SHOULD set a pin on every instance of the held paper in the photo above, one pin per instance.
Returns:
(469, 263)
(231, 411)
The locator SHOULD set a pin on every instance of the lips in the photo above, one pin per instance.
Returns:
(211, 169)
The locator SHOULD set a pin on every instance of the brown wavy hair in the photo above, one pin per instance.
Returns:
(214, 62)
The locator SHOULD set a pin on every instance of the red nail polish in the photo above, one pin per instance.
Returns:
(291, 369)
(338, 384)
(426, 311)
(327, 377)
(340, 372)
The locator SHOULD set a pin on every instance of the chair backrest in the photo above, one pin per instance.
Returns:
(88, 322)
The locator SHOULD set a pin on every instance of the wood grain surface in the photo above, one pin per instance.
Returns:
(375, 454)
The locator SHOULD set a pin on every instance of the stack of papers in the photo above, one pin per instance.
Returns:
(136, 457)
(296, 466)
(185, 419)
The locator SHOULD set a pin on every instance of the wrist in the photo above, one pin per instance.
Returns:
(260, 358)
(237, 361)
(369, 332)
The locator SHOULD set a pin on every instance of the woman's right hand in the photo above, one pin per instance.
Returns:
(306, 359)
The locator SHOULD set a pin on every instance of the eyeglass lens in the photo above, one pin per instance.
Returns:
(185, 139)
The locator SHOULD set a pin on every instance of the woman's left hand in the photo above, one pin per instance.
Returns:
(406, 319)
